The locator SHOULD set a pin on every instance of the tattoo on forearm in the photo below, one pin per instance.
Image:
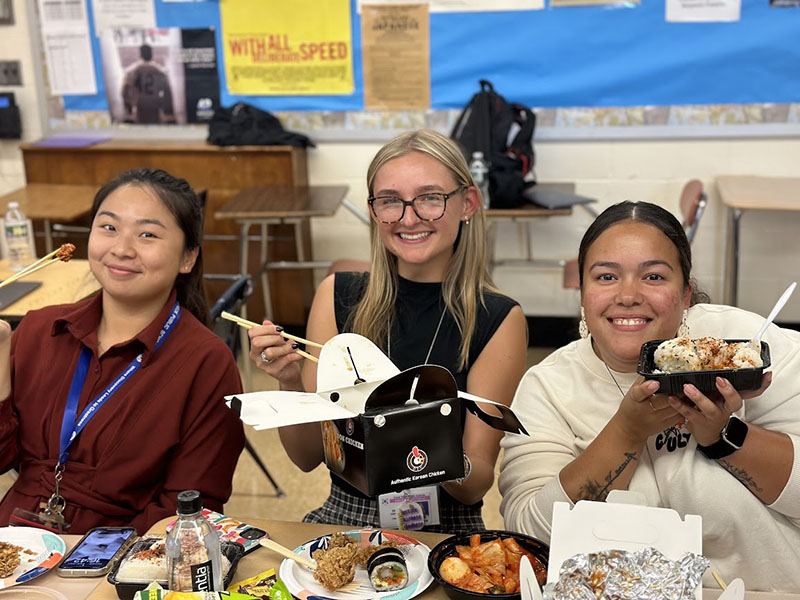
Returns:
(743, 476)
(598, 490)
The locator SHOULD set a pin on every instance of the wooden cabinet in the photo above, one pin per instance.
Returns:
(222, 171)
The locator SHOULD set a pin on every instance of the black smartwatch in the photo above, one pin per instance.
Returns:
(731, 439)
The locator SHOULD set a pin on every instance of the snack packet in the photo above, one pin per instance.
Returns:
(265, 586)
(156, 592)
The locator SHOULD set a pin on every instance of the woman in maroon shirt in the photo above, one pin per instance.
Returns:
(133, 375)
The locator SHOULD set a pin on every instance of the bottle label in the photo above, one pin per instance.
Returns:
(202, 578)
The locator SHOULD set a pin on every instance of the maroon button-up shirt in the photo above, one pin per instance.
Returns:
(165, 430)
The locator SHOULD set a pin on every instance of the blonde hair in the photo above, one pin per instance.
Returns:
(466, 279)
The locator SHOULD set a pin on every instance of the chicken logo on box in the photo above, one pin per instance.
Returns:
(416, 460)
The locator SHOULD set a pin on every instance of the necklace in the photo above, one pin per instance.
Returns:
(433, 341)
(614, 379)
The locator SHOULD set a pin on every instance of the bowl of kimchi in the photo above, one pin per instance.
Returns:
(470, 566)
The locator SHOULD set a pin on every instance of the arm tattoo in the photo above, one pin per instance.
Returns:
(743, 476)
(597, 490)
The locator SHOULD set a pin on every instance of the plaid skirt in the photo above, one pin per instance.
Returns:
(344, 508)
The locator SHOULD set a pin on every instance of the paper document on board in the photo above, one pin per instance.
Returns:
(703, 11)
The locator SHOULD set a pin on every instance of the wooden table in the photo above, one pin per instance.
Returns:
(746, 192)
(62, 283)
(278, 205)
(291, 535)
(51, 202)
(258, 561)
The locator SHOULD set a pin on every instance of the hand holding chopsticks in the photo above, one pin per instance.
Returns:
(250, 324)
(64, 253)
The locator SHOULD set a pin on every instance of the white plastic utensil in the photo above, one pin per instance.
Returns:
(734, 591)
(528, 585)
(775, 310)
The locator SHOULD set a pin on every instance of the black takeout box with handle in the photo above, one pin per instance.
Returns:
(705, 381)
(127, 589)
(396, 443)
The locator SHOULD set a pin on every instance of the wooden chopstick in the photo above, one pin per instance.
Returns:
(287, 553)
(43, 262)
(719, 579)
(250, 324)
(307, 355)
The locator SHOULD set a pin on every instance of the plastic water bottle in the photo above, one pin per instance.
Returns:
(17, 235)
(480, 173)
(194, 562)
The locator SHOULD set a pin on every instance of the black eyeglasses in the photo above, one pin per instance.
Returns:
(429, 206)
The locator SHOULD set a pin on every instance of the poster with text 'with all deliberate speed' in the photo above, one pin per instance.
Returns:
(268, 50)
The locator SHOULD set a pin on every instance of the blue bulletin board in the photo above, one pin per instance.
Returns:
(594, 56)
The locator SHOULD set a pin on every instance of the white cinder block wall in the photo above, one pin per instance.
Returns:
(611, 171)
(653, 170)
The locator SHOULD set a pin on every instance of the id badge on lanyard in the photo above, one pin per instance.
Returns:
(51, 515)
(410, 509)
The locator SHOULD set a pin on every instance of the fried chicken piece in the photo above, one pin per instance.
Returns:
(65, 252)
(335, 566)
(9, 559)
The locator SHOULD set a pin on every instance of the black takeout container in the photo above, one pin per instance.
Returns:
(127, 589)
(447, 548)
(395, 444)
(705, 381)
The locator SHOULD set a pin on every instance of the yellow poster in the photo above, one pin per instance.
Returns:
(275, 47)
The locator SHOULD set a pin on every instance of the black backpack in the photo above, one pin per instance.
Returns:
(484, 125)
(245, 125)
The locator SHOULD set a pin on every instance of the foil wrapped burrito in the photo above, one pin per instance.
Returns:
(618, 575)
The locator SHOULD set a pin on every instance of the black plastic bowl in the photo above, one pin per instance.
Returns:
(126, 590)
(705, 381)
(447, 548)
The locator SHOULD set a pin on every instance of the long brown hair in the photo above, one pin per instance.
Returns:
(467, 278)
(180, 199)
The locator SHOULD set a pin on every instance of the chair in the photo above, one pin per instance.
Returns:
(232, 301)
(692, 204)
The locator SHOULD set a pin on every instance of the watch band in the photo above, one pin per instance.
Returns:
(731, 439)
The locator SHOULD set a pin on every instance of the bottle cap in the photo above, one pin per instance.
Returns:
(189, 502)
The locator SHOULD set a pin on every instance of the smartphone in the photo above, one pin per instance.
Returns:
(97, 551)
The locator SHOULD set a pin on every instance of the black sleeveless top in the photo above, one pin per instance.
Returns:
(418, 309)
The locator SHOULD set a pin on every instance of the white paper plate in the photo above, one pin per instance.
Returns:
(300, 581)
(32, 592)
(44, 551)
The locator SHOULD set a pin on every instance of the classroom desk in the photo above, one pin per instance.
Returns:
(275, 205)
(523, 216)
(51, 202)
(62, 283)
(746, 192)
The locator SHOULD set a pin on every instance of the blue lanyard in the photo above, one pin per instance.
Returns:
(70, 429)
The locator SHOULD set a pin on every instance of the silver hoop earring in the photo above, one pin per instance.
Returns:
(583, 329)
(683, 328)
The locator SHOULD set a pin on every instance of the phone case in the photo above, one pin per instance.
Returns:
(62, 572)
(233, 530)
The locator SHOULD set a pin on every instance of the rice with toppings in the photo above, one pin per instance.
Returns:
(705, 354)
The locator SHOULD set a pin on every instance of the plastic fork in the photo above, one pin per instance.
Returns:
(775, 310)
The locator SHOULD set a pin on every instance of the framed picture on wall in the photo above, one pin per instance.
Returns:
(160, 76)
